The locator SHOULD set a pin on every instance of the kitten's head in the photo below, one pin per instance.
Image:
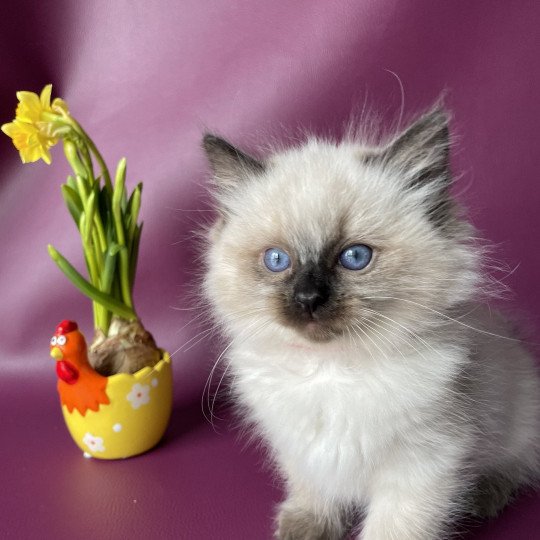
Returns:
(328, 241)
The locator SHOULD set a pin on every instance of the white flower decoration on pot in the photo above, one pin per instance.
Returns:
(95, 444)
(139, 395)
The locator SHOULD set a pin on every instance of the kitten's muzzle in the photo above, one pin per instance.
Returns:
(310, 293)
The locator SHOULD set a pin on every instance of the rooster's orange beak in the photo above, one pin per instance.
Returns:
(56, 353)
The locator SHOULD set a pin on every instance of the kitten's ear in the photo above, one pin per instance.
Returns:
(421, 152)
(420, 155)
(229, 164)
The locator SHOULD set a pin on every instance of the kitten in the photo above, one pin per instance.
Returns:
(347, 283)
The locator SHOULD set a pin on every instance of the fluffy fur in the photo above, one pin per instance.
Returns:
(400, 397)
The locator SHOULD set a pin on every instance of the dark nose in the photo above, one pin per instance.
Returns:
(311, 297)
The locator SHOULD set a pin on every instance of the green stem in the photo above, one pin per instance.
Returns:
(118, 193)
(102, 239)
(89, 254)
(100, 258)
(87, 163)
(99, 158)
(82, 189)
(87, 160)
(90, 244)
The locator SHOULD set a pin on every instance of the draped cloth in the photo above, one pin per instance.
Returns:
(146, 79)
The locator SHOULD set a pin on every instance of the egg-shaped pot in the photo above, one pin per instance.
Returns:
(135, 418)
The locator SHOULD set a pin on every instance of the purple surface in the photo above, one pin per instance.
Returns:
(146, 79)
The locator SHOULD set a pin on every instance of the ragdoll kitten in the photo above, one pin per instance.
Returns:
(347, 283)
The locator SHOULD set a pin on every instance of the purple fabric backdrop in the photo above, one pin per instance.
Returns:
(145, 79)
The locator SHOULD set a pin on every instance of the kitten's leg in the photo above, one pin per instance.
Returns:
(302, 517)
(414, 497)
(491, 494)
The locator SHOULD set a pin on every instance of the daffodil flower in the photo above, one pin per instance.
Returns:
(29, 141)
(38, 124)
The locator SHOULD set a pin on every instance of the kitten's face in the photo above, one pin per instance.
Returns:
(326, 242)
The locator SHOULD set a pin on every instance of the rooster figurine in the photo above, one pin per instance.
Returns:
(79, 386)
(110, 417)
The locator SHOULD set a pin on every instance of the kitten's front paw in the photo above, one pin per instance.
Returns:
(299, 524)
(491, 494)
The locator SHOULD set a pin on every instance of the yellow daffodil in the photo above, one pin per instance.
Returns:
(37, 124)
(28, 140)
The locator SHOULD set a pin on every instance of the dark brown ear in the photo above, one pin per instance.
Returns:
(421, 152)
(420, 156)
(229, 164)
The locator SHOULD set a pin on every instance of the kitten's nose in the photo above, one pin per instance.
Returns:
(311, 298)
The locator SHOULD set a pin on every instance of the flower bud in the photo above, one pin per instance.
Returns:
(70, 150)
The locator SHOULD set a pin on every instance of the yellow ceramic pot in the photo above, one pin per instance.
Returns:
(135, 419)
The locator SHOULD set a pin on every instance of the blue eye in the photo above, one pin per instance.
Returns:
(356, 257)
(276, 260)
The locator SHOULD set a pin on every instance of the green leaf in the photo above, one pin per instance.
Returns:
(81, 188)
(132, 213)
(117, 201)
(134, 254)
(100, 238)
(73, 202)
(90, 210)
(107, 301)
(71, 183)
(89, 256)
(110, 267)
(104, 205)
(119, 183)
(115, 248)
(82, 224)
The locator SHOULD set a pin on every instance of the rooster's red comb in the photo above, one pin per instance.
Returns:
(66, 326)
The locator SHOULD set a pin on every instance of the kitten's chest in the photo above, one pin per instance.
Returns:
(329, 428)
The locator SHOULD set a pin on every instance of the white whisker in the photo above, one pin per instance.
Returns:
(208, 384)
(216, 392)
(447, 317)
